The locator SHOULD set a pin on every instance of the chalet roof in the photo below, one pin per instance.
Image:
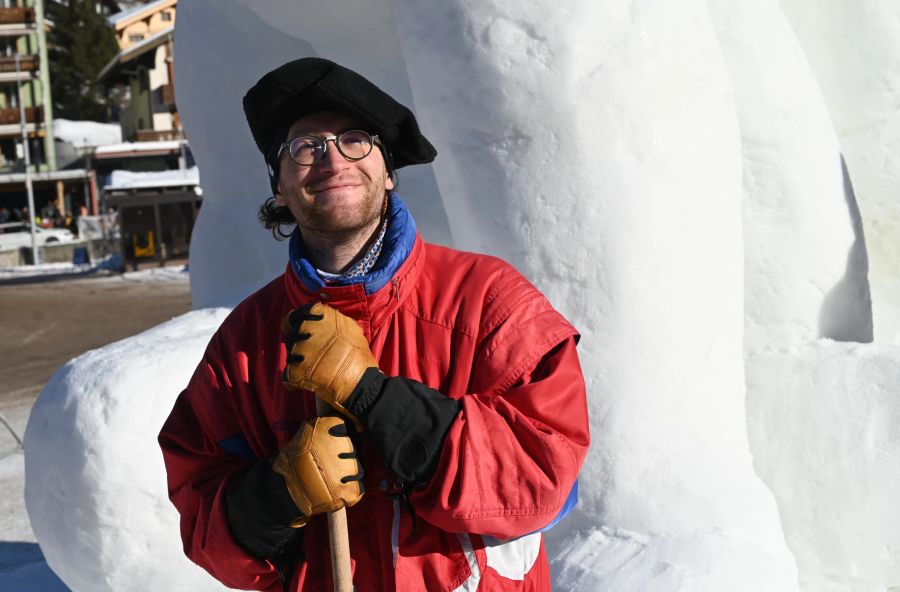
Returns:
(121, 19)
(137, 50)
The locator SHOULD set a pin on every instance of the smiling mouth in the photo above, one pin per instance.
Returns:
(335, 186)
(330, 187)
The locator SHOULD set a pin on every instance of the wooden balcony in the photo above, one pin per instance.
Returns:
(158, 135)
(12, 116)
(28, 63)
(16, 16)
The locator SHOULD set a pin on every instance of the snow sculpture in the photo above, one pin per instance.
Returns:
(805, 259)
(95, 487)
(615, 123)
(853, 46)
(562, 149)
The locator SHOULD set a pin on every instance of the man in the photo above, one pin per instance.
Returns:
(461, 380)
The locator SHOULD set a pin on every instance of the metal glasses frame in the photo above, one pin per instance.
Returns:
(323, 141)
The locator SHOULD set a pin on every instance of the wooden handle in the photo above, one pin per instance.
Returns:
(337, 535)
(340, 551)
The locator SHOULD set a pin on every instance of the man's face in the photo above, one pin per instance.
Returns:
(334, 195)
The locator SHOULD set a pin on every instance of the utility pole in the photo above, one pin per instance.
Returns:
(27, 151)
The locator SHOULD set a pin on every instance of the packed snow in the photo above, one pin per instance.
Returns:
(671, 177)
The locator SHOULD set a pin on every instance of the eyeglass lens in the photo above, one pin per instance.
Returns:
(353, 145)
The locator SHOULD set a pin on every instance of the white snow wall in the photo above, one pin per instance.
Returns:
(853, 47)
(805, 260)
(562, 149)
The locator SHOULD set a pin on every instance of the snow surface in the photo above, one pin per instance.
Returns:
(644, 275)
(140, 146)
(853, 47)
(805, 257)
(670, 177)
(98, 506)
(143, 180)
(84, 134)
(825, 428)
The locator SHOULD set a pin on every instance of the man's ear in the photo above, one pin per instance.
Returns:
(388, 181)
(279, 199)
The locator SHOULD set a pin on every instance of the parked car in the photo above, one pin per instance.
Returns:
(16, 234)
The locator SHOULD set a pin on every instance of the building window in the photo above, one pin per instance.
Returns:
(135, 38)
(166, 16)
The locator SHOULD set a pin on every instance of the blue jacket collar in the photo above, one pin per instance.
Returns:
(398, 243)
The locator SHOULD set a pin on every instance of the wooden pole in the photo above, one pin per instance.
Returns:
(337, 535)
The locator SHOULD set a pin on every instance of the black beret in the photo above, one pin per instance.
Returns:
(308, 85)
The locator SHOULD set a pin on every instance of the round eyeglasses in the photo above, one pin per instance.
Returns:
(309, 150)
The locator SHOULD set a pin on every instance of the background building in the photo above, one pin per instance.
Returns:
(144, 67)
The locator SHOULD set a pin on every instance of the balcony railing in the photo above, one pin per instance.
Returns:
(26, 64)
(159, 135)
(20, 15)
(12, 116)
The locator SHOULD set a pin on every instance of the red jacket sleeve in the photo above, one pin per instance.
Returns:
(512, 457)
(198, 469)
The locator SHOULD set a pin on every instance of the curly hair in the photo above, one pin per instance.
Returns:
(276, 218)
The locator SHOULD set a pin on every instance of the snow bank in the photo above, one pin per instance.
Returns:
(824, 423)
(573, 119)
(95, 485)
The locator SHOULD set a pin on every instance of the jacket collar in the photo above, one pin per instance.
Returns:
(396, 247)
(373, 298)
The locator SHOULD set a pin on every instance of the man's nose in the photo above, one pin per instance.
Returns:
(332, 159)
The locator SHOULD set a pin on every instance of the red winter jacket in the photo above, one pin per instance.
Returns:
(467, 325)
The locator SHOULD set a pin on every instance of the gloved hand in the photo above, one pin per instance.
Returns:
(327, 354)
(320, 468)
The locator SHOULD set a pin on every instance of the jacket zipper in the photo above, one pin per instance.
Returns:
(395, 288)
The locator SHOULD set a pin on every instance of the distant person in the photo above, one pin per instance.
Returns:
(50, 215)
(4, 215)
(462, 380)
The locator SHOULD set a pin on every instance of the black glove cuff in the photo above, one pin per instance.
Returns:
(405, 420)
(260, 511)
(366, 393)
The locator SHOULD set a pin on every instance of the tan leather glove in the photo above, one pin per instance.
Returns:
(320, 468)
(327, 354)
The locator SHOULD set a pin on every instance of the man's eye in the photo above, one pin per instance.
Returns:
(354, 138)
(304, 147)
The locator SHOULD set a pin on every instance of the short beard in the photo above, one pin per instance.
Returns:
(320, 221)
